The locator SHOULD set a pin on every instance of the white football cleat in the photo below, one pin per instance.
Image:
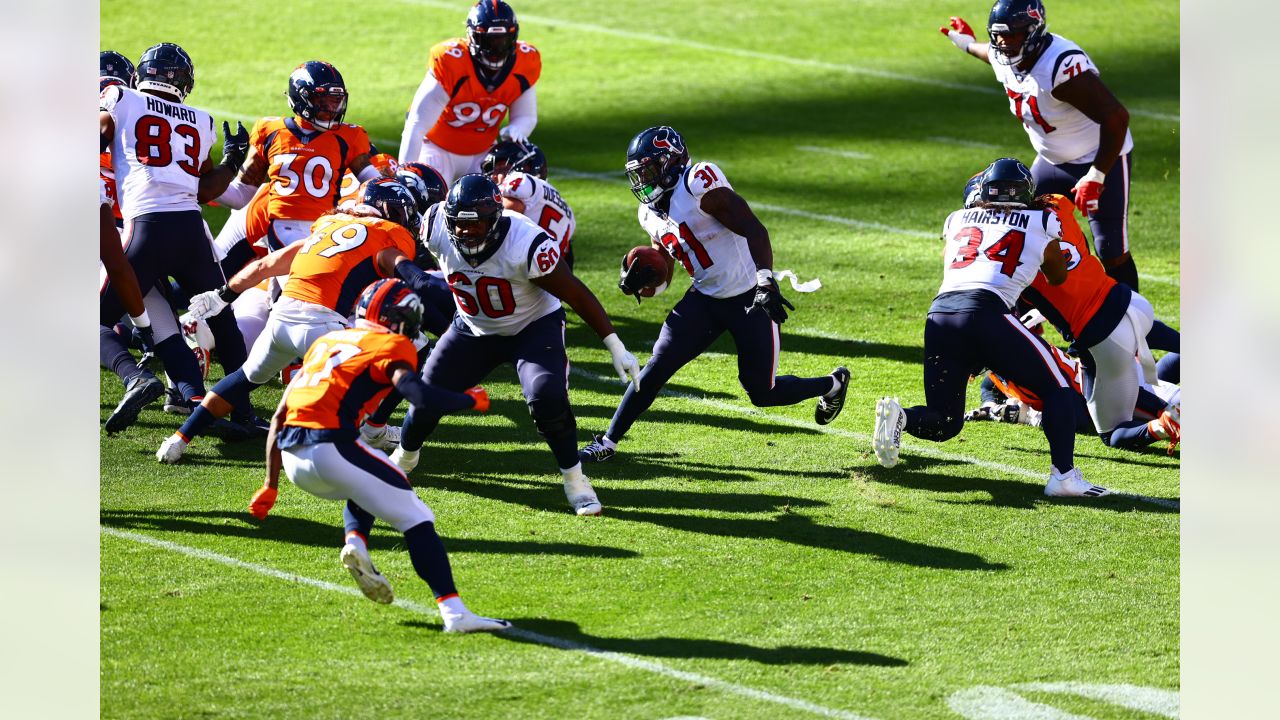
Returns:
(374, 586)
(582, 496)
(406, 460)
(1072, 484)
(386, 438)
(890, 420)
(469, 622)
(171, 449)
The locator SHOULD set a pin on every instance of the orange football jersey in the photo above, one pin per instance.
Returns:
(336, 263)
(344, 376)
(305, 169)
(1087, 285)
(469, 123)
(107, 175)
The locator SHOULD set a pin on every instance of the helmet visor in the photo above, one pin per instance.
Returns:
(644, 176)
(1007, 43)
(493, 44)
(470, 232)
(328, 104)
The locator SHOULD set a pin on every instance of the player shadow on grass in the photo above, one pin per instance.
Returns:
(301, 531)
(1016, 494)
(568, 636)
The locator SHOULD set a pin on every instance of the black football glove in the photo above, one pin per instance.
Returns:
(234, 147)
(635, 278)
(769, 299)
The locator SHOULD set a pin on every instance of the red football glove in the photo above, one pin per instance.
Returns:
(262, 502)
(1088, 190)
(959, 33)
(481, 396)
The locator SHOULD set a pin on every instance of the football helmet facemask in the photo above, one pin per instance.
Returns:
(1006, 183)
(114, 69)
(472, 212)
(317, 94)
(656, 158)
(388, 199)
(1017, 29)
(166, 68)
(425, 184)
(491, 33)
(508, 156)
(390, 304)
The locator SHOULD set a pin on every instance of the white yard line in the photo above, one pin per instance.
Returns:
(851, 154)
(1145, 699)
(864, 438)
(755, 55)
(619, 658)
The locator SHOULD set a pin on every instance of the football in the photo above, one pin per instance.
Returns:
(649, 257)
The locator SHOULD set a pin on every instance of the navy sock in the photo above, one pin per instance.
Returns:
(1163, 337)
(197, 423)
(1059, 425)
(789, 390)
(356, 519)
(429, 558)
(1169, 369)
(181, 365)
(386, 407)
(235, 389)
(1149, 403)
(114, 355)
(418, 424)
(1129, 435)
(565, 447)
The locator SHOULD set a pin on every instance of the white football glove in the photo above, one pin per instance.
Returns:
(623, 362)
(206, 304)
(1032, 318)
(507, 133)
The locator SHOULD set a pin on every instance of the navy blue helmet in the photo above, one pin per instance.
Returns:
(392, 201)
(1007, 183)
(656, 158)
(317, 94)
(166, 68)
(472, 212)
(508, 156)
(971, 190)
(390, 303)
(425, 184)
(491, 33)
(1018, 30)
(114, 69)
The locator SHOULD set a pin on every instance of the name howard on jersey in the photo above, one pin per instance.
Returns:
(1012, 218)
(183, 113)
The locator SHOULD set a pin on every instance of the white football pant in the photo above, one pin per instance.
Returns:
(323, 471)
(1117, 377)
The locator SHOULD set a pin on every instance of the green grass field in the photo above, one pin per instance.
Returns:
(750, 563)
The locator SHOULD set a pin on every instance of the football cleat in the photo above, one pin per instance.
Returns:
(386, 439)
(175, 404)
(1072, 484)
(251, 427)
(406, 460)
(171, 449)
(1168, 426)
(890, 420)
(596, 450)
(469, 622)
(139, 393)
(372, 583)
(582, 496)
(829, 407)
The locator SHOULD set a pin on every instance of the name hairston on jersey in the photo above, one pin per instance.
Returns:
(168, 109)
(1013, 218)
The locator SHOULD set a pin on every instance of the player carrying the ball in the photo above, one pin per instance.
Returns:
(692, 214)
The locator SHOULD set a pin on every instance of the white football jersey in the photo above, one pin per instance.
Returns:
(158, 151)
(995, 249)
(543, 205)
(1058, 130)
(497, 296)
(717, 258)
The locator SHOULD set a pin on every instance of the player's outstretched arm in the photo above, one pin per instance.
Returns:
(265, 498)
(212, 302)
(422, 395)
(1088, 94)
(215, 180)
(962, 36)
(562, 283)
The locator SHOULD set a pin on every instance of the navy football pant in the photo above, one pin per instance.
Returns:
(958, 345)
(694, 323)
(174, 244)
(1110, 224)
(460, 360)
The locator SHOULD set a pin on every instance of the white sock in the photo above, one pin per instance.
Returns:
(353, 538)
(573, 473)
(608, 442)
(451, 606)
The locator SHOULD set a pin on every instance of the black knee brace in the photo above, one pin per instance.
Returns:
(553, 419)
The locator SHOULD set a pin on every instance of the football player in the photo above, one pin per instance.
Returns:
(1079, 130)
(471, 85)
(314, 438)
(692, 214)
(993, 251)
(520, 171)
(508, 282)
(345, 252)
(160, 161)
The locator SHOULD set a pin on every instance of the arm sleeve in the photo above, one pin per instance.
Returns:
(524, 114)
(428, 103)
(425, 396)
(237, 195)
(368, 173)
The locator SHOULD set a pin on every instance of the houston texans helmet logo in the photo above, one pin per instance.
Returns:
(669, 140)
(1034, 14)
